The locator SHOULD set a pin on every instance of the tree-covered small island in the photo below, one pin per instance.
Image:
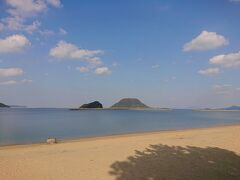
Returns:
(92, 105)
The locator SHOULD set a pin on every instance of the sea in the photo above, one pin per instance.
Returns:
(35, 125)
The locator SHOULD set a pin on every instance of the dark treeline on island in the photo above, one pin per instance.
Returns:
(94, 104)
(4, 105)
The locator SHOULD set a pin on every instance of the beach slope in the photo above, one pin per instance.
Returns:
(171, 154)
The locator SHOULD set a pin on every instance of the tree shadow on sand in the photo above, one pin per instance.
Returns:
(174, 162)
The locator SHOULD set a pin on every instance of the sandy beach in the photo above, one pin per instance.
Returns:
(181, 154)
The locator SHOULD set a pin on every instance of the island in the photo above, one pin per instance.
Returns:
(95, 104)
(129, 103)
(92, 105)
(123, 104)
(4, 105)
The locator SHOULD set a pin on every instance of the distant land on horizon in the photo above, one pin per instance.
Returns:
(17, 106)
(4, 105)
(230, 108)
(130, 103)
(125, 103)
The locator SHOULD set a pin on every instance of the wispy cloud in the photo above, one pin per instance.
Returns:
(62, 31)
(13, 82)
(206, 41)
(102, 70)
(225, 89)
(18, 24)
(6, 83)
(98, 70)
(9, 72)
(236, 1)
(83, 69)
(209, 71)
(21, 11)
(46, 32)
(55, 3)
(26, 81)
(115, 64)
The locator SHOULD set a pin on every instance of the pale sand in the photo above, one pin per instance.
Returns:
(91, 158)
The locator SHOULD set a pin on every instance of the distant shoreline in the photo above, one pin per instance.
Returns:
(216, 110)
(144, 109)
(109, 136)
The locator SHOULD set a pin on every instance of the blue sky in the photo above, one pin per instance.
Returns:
(167, 53)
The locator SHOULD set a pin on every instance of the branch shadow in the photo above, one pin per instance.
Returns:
(178, 163)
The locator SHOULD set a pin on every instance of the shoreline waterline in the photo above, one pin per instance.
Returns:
(94, 158)
(31, 126)
(113, 136)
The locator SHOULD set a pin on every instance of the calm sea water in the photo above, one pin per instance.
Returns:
(28, 125)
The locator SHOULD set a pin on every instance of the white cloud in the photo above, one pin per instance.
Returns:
(231, 60)
(83, 69)
(25, 8)
(13, 82)
(209, 71)
(64, 50)
(62, 31)
(206, 41)
(18, 24)
(94, 60)
(28, 8)
(102, 70)
(55, 3)
(21, 10)
(6, 83)
(99, 70)
(9, 72)
(14, 43)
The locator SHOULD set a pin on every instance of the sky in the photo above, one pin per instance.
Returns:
(178, 54)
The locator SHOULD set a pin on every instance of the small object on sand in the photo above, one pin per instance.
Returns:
(51, 141)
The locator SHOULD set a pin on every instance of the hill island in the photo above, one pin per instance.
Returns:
(129, 103)
(4, 105)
